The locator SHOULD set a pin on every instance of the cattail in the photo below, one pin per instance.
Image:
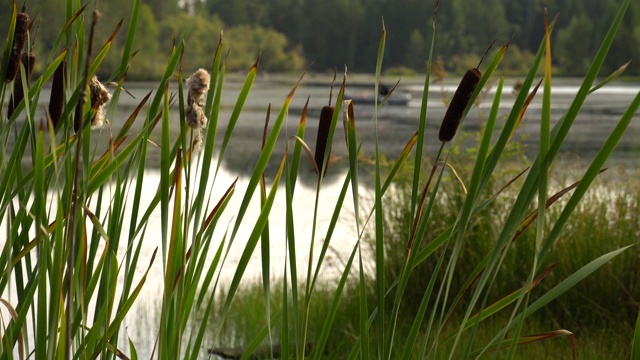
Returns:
(99, 94)
(98, 118)
(29, 60)
(460, 100)
(99, 97)
(195, 117)
(56, 101)
(198, 85)
(19, 40)
(326, 115)
(452, 117)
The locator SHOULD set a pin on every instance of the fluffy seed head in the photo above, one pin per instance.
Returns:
(98, 118)
(99, 97)
(99, 94)
(459, 102)
(198, 85)
(195, 117)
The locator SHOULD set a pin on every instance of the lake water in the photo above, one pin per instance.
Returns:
(396, 125)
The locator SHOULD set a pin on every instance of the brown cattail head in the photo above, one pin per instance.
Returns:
(29, 62)
(56, 101)
(28, 59)
(195, 117)
(198, 85)
(19, 40)
(452, 117)
(324, 126)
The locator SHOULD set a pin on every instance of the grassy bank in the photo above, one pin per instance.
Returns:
(600, 311)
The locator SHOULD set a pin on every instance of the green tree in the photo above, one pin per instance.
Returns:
(162, 8)
(626, 46)
(573, 45)
(201, 42)
(240, 12)
(416, 52)
(245, 43)
(146, 63)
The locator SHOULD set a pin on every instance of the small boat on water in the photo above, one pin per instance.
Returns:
(396, 98)
(399, 99)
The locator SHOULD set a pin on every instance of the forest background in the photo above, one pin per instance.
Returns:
(290, 35)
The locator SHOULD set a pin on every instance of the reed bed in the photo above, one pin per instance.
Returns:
(67, 289)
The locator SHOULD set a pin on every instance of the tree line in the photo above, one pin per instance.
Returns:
(291, 34)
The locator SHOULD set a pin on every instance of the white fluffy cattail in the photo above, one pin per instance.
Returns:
(198, 85)
(99, 97)
(195, 117)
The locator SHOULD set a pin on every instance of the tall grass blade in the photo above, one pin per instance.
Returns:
(528, 339)
(252, 241)
(332, 225)
(593, 171)
(265, 243)
(242, 97)
(423, 118)
(379, 222)
(496, 307)
(614, 75)
(128, 45)
(255, 343)
(292, 174)
(7, 50)
(261, 165)
(545, 126)
(326, 327)
(559, 289)
(635, 346)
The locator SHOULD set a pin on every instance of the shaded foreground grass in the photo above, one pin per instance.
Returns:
(600, 312)
(607, 340)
